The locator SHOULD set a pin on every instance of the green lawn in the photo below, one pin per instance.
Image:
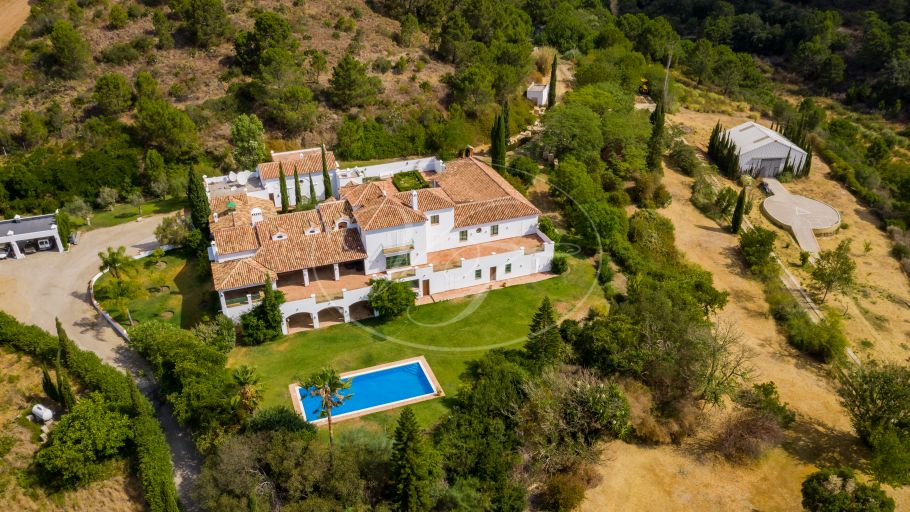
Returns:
(410, 180)
(125, 212)
(448, 334)
(174, 291)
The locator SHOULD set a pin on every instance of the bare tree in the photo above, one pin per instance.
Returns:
(727, 363)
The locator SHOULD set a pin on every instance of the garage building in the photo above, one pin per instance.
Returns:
(762, 151)
(25, 235)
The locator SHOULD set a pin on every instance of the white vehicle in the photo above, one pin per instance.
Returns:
(44, 244)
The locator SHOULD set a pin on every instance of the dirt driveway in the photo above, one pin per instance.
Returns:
(46, 285)
(14, 14)
(50, 284)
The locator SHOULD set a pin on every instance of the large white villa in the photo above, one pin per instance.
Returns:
(469, 227)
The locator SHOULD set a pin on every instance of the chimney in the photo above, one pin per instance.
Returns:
(414, 199)
(215, 216)
(214, 249)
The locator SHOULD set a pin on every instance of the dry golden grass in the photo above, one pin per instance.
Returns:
(20, 388)
(686, 477)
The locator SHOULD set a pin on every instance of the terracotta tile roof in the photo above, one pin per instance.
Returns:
(241, 214)
(386, 213)
(292, 224)
(428, 199)
(468, 180)
(309, 251)
(239, 273)
(232, 239)
(333, 211)
(358, 195)
(494, 210)
(306, 162)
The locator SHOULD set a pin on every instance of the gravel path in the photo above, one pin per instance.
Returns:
(49, 284)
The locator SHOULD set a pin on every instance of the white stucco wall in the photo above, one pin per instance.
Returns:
(356, 175)
(273, 188)
(375, 241)
(507, 229)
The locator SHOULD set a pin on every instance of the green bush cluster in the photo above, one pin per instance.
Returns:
(824, 340)
(153, 457)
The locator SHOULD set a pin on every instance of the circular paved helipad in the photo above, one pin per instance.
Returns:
(802, 216)
(793, 210)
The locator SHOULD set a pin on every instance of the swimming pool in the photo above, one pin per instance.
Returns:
(374, 389)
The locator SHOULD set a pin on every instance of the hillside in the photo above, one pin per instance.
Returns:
(191, 76)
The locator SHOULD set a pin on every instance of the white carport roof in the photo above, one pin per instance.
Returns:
(751, 135)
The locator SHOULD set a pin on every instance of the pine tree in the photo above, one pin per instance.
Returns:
(326, 179)
(199, 202)
(411, 470)
(656, 143)
(298, 204)
(712, 142)
(551, 93)
(738, 212)
(283, 188)
(544, 346)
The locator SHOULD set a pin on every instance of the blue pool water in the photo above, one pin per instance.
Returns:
(375, 388)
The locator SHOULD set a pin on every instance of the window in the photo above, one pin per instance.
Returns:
(399, 260)
(434, 219)
(463, 236)
(477, 273)
(494, 230)
(508, 268)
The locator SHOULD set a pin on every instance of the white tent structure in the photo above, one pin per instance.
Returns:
(762, 151)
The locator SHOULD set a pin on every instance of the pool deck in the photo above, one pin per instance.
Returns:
(294, 389)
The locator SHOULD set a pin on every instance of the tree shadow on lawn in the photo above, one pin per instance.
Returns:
(816, 443)
(199, 297)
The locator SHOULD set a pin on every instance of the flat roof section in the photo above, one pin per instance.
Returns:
(27, 225)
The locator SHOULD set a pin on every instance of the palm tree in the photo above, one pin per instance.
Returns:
(328, 386)
(250, 393)
(114, 261)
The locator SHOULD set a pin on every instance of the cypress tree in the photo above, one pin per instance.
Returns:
(411, 471)
(64, 388)
(298, 204)
(551, 93)
(505, 124)
(199, 202)
(326, 179)
(655, 144)
(312, 201)
(807, 164)
(737, 221)
(48, 385)
(544, 345)
(283, 188)
(67, 347)
(497, 147)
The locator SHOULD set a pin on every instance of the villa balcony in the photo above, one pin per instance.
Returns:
(451, 258)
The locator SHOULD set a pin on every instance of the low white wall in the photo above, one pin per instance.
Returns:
(356, 175)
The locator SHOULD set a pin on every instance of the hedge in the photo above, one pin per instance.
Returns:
(154, 467)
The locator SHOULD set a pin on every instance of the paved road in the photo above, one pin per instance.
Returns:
(51, 285)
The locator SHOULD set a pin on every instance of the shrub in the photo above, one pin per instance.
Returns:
(824, 340)
(279, 419)
(390, 298)
(604, 270)
(748, 435)
(410, 180)
(684, 157)
(381, 65)
(837, 490)
(560, 263)
(891, 456)
(118, 17)
(548, 228)
(154, 465)
(80, 443)
(561, 493)
(120, 54)
(765, 398)
(756, 246)
(264, 322)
